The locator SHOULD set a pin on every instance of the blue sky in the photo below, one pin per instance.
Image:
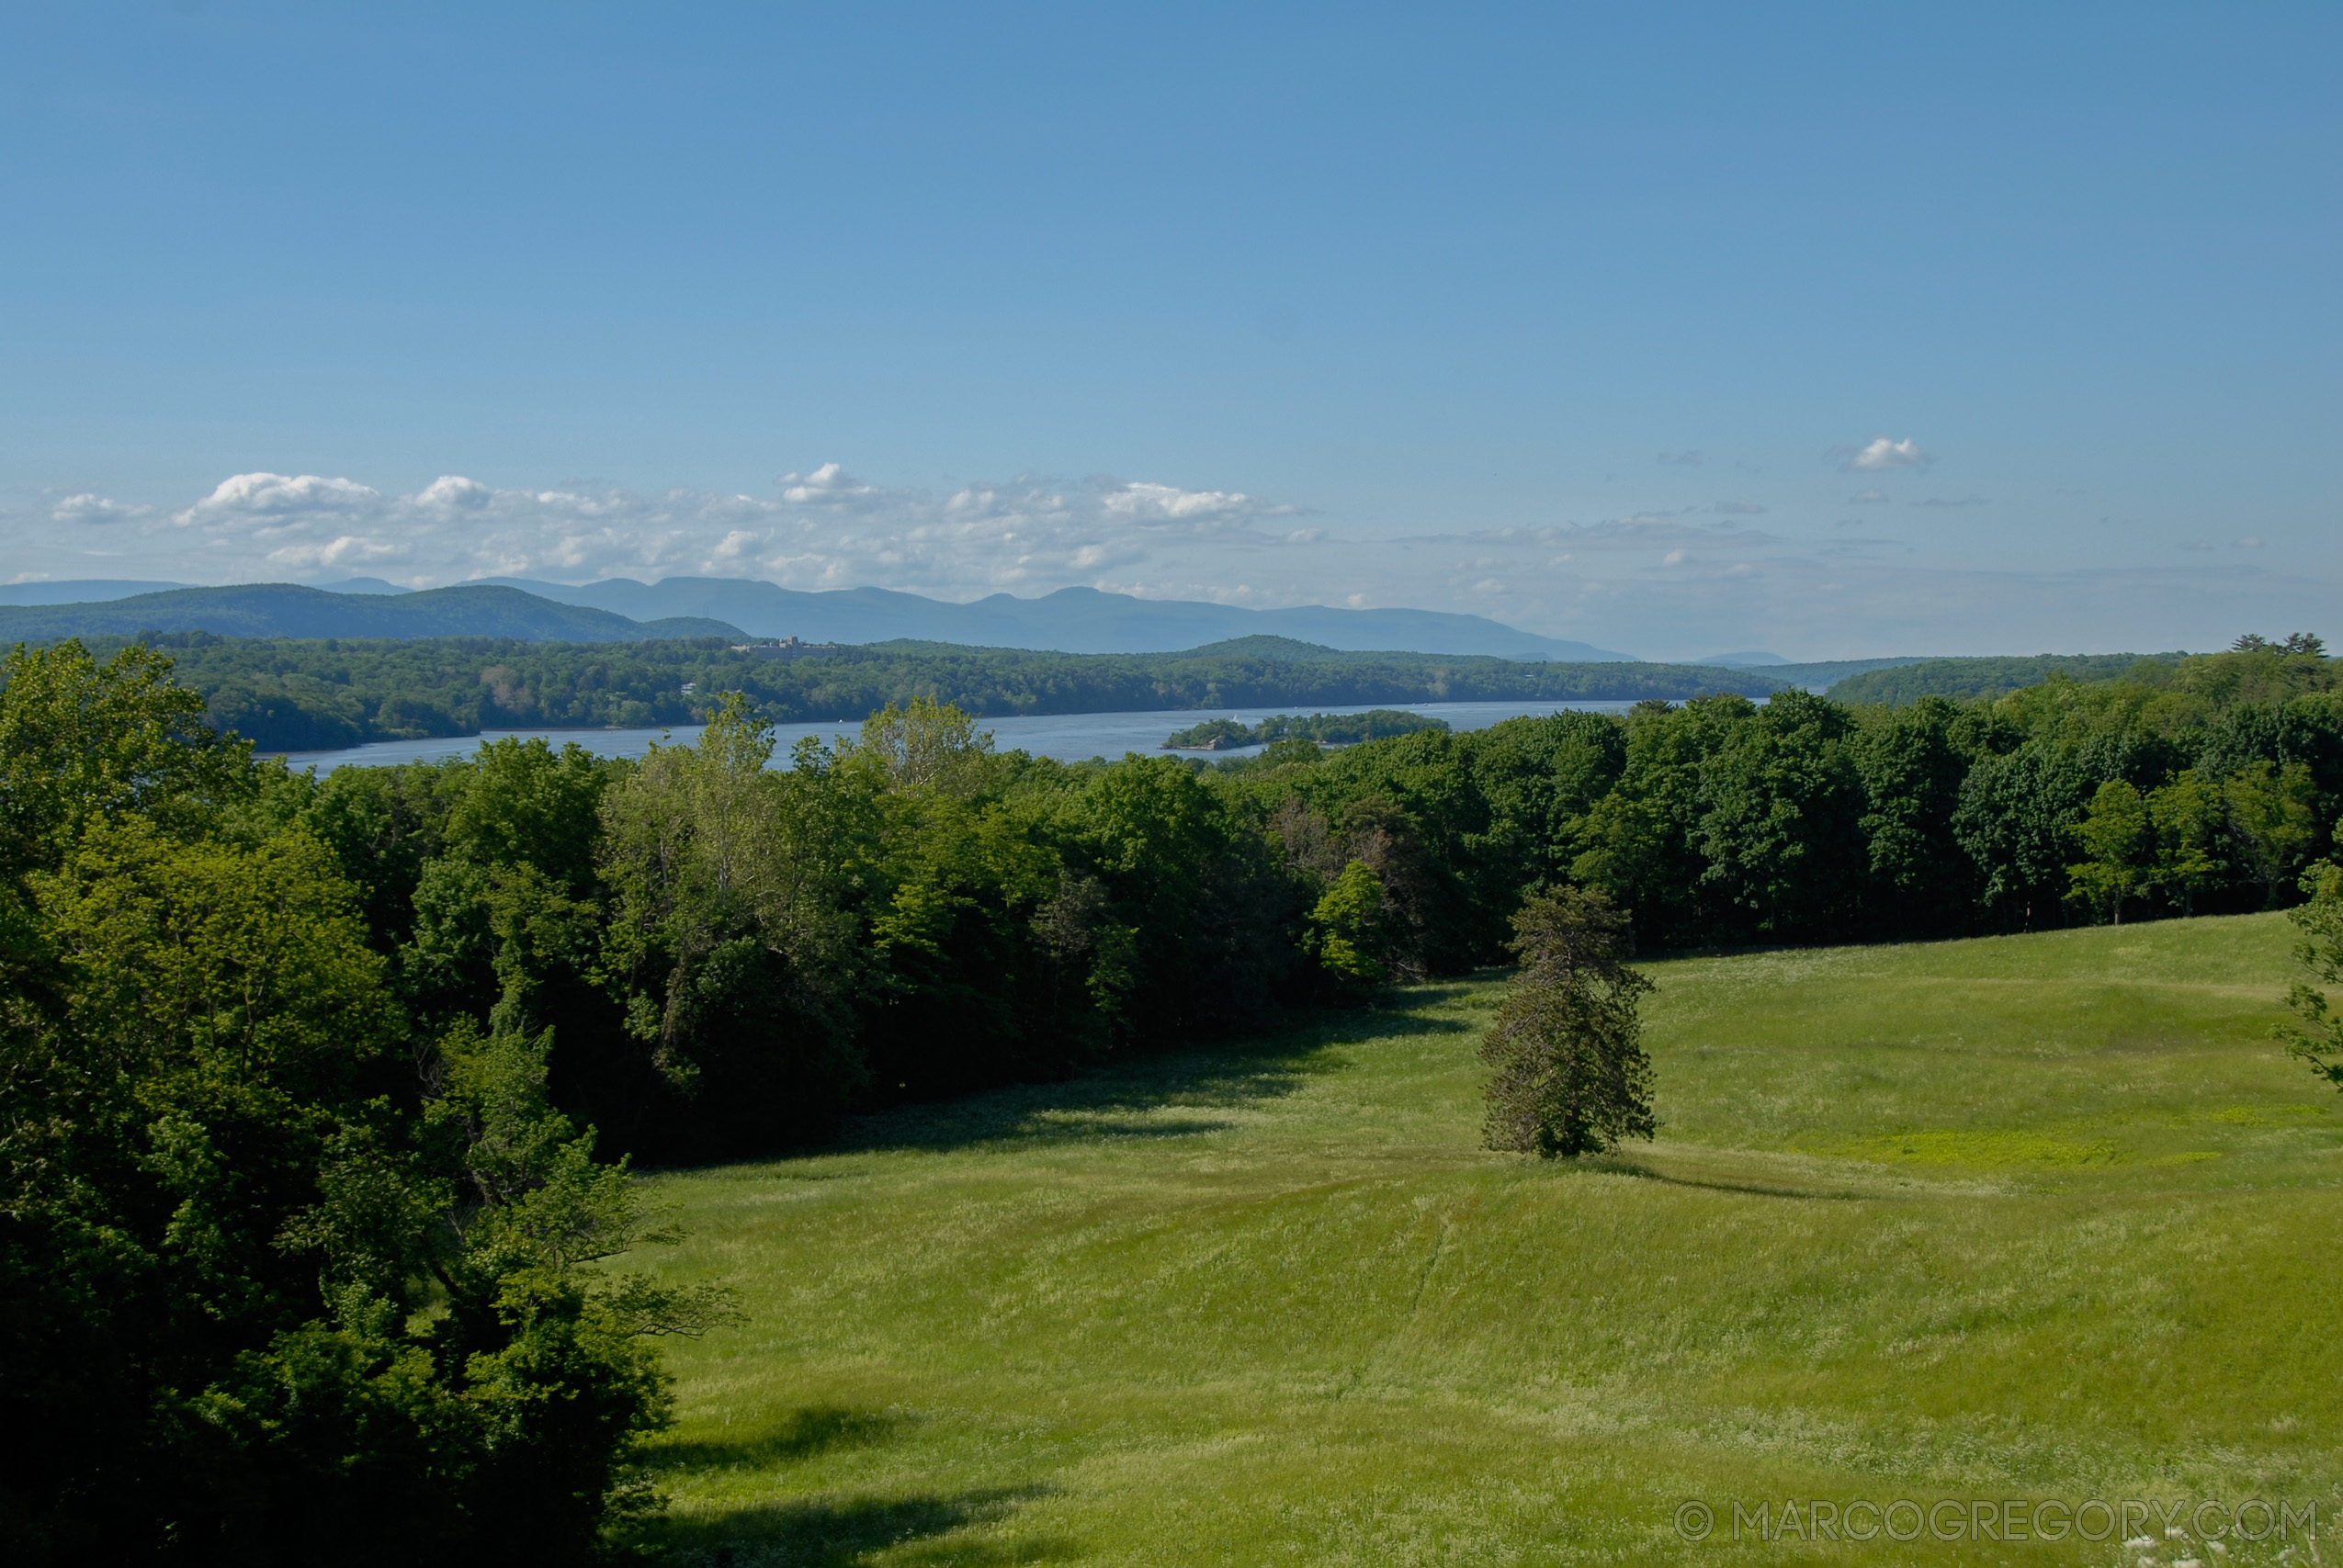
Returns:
(1836, 330)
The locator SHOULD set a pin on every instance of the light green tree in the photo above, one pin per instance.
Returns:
(83, 743)
(2119, 837)
(927, 745)
(1342, 926)
(2190, 827)
(2316, 1036)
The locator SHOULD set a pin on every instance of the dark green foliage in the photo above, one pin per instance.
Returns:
(1733, 823)
(384, 826)
(2015, 822)
(478, 1390)
(1327, 728)
(1540, 778)
(1197, 914)
(1412, 811)
(1570, 1077)
(267, 1296)
(287, 695)
(1781, 821)
(1986, 678)
(1912, 760)
(735, 893)
(2274, 821)
(1213, 735)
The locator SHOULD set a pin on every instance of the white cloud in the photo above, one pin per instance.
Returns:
(824, 529)
(826, 485)
(1620, 582)
(453, 492)
(97, 509)
(346, 551)
(1209, 509)
(1868, 498)
(251, 498)
(1883, 454)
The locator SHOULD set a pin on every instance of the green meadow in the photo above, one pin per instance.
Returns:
(2035, 1218)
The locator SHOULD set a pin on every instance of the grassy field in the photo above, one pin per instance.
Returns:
(2041, 1217)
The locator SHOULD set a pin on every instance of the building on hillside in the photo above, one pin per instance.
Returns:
(785, 648)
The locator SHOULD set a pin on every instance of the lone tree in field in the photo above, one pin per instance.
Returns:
(1571, 1075)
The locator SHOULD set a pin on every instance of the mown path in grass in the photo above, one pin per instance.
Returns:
(2031, 1218)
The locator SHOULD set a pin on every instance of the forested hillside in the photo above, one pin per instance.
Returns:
(286, 694)
(288, 610)
(1991, 677)
(319, 693)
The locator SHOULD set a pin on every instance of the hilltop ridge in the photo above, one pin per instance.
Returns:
(289, 610)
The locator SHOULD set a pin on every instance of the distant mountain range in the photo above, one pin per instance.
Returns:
(1072, 620)
(1750, 660)
(281, 609)
(87, 591)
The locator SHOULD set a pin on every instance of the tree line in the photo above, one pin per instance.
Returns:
(287, 695)
(1994, 676)
(1326, 729)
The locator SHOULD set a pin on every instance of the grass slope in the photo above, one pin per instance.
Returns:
(2033, 1217)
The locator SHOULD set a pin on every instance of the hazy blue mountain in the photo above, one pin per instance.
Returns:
(1750, 660)
(1072, 620)
(1823, 676)
(283, 609)
(84, 591)
(98, 590)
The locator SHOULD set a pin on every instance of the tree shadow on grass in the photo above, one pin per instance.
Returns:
(794, 1435)
(1620, 1165)
(824, 1533)
(1120, 1099)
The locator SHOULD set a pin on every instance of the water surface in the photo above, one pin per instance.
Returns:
(1069, 736)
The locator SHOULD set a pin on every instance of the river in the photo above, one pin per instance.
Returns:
(1069, 736)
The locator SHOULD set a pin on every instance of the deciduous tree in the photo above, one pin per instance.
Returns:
(2119, 838)
(2273, 813)
(2316, 1036)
